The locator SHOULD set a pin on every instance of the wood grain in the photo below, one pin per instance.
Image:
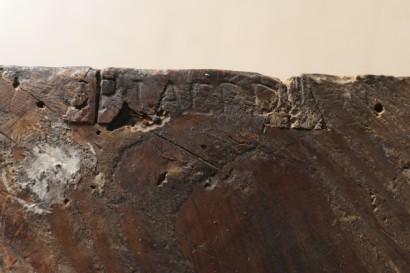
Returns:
(123, 170)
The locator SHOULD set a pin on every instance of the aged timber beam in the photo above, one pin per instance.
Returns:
(123, 170)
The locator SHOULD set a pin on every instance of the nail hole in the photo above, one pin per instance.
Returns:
(16, 82)
(378, 107)
(40, 104)
(58, 166)
(93, 187)
(66, 201)
(98, 132)
(203, 147)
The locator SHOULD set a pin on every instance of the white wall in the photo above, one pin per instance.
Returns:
(279, 38)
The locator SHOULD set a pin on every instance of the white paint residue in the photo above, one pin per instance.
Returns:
(144, 129)
(51, 171)
(41, 179)
(6, 183)
(34, 208)
(330, 78)
(99, 182)
(91, 149)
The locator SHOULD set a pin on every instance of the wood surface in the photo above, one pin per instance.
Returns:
(124, 170)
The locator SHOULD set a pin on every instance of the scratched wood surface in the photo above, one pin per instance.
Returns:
(123, 170)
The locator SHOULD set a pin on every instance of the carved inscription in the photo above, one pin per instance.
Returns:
(81, 97)
(163, 94)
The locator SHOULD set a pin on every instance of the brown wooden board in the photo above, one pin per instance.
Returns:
(123, 170)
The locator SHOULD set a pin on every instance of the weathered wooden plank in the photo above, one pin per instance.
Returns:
(124, 170)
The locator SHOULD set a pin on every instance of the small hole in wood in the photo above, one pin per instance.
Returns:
(378, 107)
(40, 104)
(16, 82)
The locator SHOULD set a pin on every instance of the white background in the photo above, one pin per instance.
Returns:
(280, 38)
